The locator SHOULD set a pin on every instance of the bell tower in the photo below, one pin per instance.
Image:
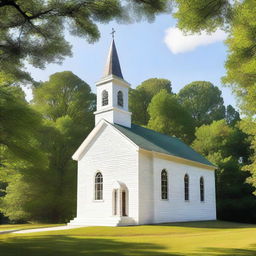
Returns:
(112, 92)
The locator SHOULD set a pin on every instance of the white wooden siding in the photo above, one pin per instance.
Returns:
(116, 159)
(146, 189)
(176, 208)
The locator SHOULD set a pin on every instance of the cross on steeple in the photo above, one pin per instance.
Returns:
(113, 33)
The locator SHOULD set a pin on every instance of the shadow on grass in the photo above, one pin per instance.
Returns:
(228, 251)
(209, 224)
(72, 246)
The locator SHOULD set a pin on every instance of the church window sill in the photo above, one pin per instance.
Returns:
(98, 201)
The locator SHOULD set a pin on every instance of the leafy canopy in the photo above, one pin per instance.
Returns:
(169, 117)
(19, 123)
(203, 101)
(237, 18)
(141, 96)
(228, 148)
(33, 30)
(47, 192)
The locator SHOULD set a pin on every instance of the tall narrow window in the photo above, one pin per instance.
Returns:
(202, 189)
(120, 99)
(104, 98)
(115, 202)
(164, 184)
(98, 186)
(186, 187)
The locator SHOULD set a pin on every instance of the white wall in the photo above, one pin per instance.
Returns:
(112, 112)
(116, 159)
(176, 208)
(124, 89)
(99, 89)
(146, 185)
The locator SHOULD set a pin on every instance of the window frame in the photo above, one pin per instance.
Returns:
(120, 99)
(104, 98)
(98, 186)
(186, 187)
(164, 185)
(202, 189)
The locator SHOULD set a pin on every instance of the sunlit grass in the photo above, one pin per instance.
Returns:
(193, 238)
(25, 226)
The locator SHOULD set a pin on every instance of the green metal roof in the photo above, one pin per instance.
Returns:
(158, 142)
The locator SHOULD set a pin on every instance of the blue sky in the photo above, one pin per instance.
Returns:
(144, 53)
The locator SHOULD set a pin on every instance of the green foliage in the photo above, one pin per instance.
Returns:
(241, 63)
(33, 30)
(228, 148)
(238, 19)
(16, 196)
(232, 116)
(140, 98)
(241, 70)
(249, 127)
(197, 15)
(19, 123)
(64, 94)
(67, 104)
(169, 117)
(47, 192)
(203, 101)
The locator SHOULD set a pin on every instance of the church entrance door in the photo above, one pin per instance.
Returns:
(124, 203)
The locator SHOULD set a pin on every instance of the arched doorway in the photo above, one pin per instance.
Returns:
(124, 202)
(120, 199)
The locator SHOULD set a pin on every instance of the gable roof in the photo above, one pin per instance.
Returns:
(154, 141)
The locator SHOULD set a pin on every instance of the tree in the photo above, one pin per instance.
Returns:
(237, 18)
(241, 71)
(241, 63)
(169, 117)
(19, 123)
(140, 98)
(47, 192)
(203, 101)
(19, 131)
(232, 116)
(67, 104)
(228, 148)
(33, 30)
(249, 127)
(197, 15)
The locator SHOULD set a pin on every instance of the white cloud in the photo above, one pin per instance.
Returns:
(178, 42)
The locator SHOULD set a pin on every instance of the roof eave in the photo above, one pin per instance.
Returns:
(179, 159)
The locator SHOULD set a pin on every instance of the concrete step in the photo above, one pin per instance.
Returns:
(110, 221)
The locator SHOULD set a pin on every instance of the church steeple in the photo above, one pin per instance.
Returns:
(112, 66)
(112, 92)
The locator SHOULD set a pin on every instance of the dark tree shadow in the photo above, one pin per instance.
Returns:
(209, 224)
(73, 246)
(251, 251)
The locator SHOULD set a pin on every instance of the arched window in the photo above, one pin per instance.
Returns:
(186, 187)
(164, 184)
(115, 200)
(104, 98)
(120, 99)
(98, 186)
(202, 189)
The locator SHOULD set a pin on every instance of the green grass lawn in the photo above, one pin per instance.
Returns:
(26, 226)
(191, 238)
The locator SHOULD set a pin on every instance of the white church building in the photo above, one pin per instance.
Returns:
(131, 175)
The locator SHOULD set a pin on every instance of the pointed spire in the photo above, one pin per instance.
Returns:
(112, 66)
